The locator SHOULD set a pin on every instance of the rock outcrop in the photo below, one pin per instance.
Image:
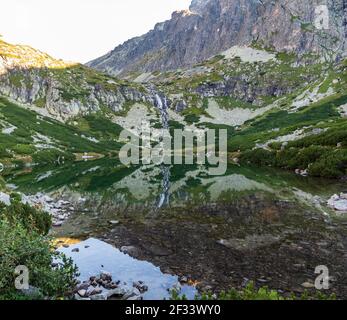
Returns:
(63, 90)
(212, 26)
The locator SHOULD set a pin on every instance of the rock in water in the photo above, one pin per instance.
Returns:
(101, 296)
(82, 293)
(339, 203)
(116, 293)
(106, 276)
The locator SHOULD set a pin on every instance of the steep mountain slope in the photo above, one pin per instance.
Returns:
(280, 109)
(59, 89)
(212, 26)
(51, 109)
(28, 137)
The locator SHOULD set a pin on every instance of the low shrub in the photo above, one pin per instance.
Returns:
(23, 149)
(20, 246)
(29, 217)
(250, 292)
(23, 243)
(51, 156)
(320, 161)
(260, 157)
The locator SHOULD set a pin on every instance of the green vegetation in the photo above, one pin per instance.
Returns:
(308, 27)
(41, 102)
(23, 149)
(327, 83)
(261, 128)
(2, 183)
(23, 242)
(192, 118)
(252, 85)
(193, 114)
(78, 176)
(259, 77)
(16, 80)
(27, 216)
(323, 155)
(231, 103)
(95, 133)
(101, 128)
(250, 292)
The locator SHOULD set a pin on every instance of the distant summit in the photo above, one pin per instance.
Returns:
(197, 6)
(212, 26)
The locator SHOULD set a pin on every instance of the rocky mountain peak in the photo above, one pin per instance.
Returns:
(23, 56)
(198, 6)
(212, 26)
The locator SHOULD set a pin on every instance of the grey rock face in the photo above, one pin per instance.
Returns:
(212, 26)
(63, 91)
(48, 90)
(198, 5)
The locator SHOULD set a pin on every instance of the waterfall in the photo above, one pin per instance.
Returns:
(164, 197)
(162, 105)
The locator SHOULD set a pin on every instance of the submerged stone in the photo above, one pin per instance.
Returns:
(338, 203)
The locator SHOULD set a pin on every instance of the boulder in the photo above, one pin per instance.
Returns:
(101, 296)
(128, 250)
(105, 276)
(82, 293)
(116, 293)
(341, 205)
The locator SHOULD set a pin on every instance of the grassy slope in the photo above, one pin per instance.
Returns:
(283, 74)
(329, 160)
(323, 154)
(65, 139)
(27, 68)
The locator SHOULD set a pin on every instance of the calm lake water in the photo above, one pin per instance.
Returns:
(264, 225)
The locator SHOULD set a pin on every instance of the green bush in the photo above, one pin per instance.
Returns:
(23, 133)
(2, 183)
(20, 246)
(331, 138)
(259, 157)
(30, 218)
(275, 145)
(24, 149)
(4, 153)
(250, 292)
(320, 161)
(294, 158)
(23, 242)
(192, 118)
(51, 156)
(331, 165)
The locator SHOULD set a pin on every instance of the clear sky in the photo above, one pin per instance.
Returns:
(81, 30)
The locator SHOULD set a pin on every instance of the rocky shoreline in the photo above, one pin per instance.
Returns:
(106, 273)
(60, 210)
(305, 251)
(278, 246)
(103, 287)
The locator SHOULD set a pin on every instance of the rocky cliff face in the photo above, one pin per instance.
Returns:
(211, 26)
(63, 90)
